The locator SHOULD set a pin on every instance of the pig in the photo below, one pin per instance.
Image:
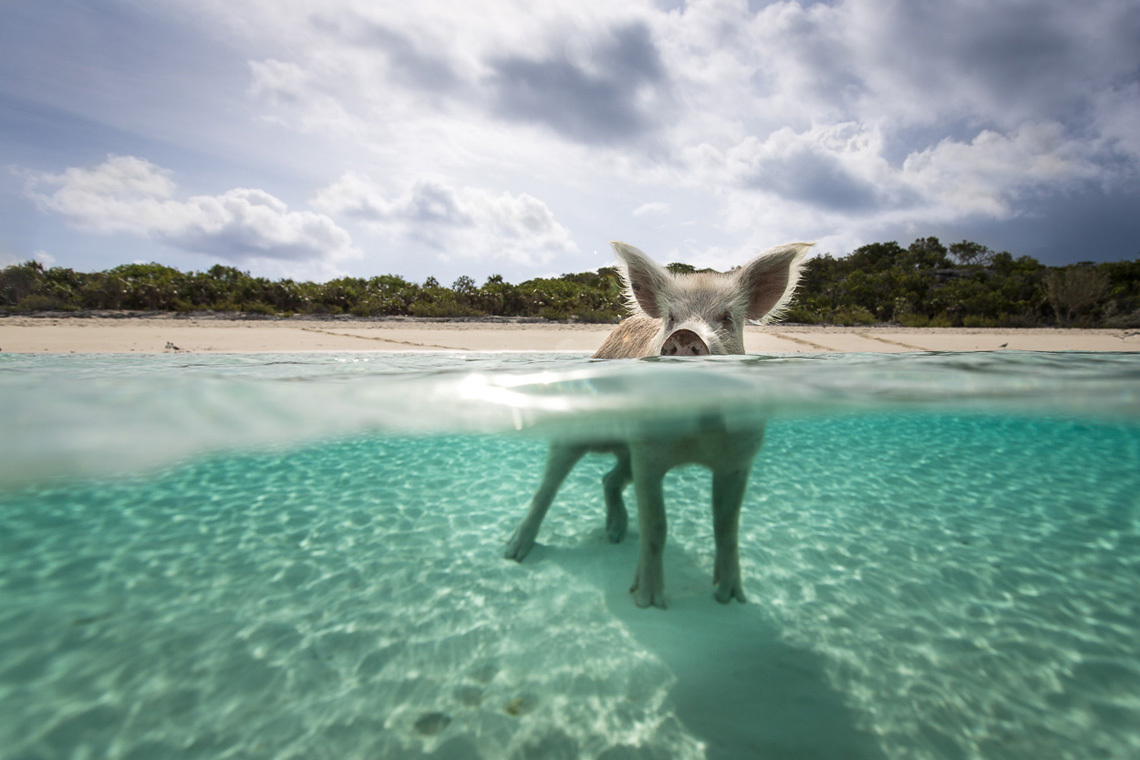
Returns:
(697, 314)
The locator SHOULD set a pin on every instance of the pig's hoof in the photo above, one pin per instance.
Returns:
(615, 527)
(726, 592)
(644, 598)
(519, 546)
(646, 595)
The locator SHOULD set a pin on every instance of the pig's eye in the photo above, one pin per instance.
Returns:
(726, 319)
(671, 319)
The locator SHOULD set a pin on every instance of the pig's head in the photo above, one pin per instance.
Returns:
(705, 312)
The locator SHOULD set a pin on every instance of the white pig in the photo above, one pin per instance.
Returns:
(676, 315)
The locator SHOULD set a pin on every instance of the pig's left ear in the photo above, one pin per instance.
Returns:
(769, 280)
(647, 283)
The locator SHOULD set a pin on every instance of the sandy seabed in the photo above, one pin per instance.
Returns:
(168, 333)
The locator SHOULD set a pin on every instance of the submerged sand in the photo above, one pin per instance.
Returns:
(168, 333)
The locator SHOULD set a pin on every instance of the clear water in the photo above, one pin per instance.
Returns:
(300, 556)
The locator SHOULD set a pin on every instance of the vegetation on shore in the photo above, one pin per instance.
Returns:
(925, 284)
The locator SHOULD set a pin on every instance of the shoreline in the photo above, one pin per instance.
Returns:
(155, 333)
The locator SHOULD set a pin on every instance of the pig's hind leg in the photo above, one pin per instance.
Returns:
(728, 494)
(560, 459)
(614, 482)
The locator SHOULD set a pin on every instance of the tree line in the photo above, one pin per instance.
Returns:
(924, 285)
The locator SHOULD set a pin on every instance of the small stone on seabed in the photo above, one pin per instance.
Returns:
(519, 705)
(430, 724)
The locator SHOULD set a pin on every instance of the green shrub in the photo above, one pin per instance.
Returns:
(260, 308)
(1120, 321)
(361, 310)
(599, 316)
(978, 320)
(323, 308)
(966, 284)
(443, 308)
(804, 315)
(854, 316)
(43, 303)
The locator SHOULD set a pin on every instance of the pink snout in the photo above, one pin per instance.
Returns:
(684, 343)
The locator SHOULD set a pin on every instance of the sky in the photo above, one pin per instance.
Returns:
(324, 138)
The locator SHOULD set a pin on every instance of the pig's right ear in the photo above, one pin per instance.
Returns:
(647, 284)
(769, 280)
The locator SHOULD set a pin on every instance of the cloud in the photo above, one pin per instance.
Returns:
(43, 257)
(456, 223)
(589, 75)
(836, 168)
(407, 62)
(1117, 111)
(850, 110)
(756, 122)
(612, 92)
(999, 63)
(833, 184)
(987, 175)
(130, 195)
(653, 207)
(293, 95)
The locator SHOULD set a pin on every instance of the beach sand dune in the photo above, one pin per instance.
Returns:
(149, 335)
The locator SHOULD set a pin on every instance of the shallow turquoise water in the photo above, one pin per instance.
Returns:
(300, 556)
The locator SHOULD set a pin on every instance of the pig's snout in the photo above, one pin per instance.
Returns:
(684, 343)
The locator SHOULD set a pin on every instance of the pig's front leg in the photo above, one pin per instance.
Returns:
(614, 483)
(649, 583)
(728, 494)
(560, 459)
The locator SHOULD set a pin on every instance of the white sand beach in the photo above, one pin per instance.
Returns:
(168, 333)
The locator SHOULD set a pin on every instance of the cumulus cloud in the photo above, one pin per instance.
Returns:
(465, 222)
(130, 195)
(986, 175)
(842, 168)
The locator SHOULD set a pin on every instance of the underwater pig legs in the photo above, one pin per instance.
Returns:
(646, 460)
